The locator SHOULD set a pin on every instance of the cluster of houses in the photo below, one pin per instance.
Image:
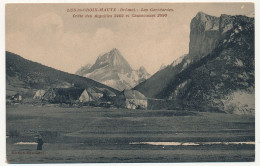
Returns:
(72, 95)
(130, 99)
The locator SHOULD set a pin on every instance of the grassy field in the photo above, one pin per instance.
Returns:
(89, 134)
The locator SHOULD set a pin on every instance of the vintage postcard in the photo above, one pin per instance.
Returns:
(130, 82)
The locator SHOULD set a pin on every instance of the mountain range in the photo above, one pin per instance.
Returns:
(217, 73)
(113, 70)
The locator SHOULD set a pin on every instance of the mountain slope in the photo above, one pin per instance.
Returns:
(83, 69)
(218, 71)
(113, 70)
(24, 76)
(157, 82)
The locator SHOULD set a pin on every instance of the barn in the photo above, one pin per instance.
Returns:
(67, 95)
(131, 99)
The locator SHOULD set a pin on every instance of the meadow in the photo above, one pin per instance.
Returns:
(91, 134)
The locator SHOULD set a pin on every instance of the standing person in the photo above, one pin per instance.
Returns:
(39, 143)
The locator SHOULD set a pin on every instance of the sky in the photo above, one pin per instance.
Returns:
(48, 34)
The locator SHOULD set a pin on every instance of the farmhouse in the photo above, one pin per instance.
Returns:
(94, 93)
(67, 95)
(85, 97)
(131, 99)
(17, 97)
(39, 94)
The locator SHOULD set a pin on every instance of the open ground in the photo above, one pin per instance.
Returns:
(90, 134)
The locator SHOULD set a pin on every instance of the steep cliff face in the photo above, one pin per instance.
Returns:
(220, 78)
(204, 34)
(206, 31)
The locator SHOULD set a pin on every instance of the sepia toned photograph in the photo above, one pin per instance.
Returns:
(130, 82)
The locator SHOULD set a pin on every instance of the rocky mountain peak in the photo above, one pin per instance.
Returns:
(206, 31)
(142, 69)
(201, 16)
(217, 74)
(205, 22)
(83, 69)
(112, 59)
(204, 34)
(115, 51)
(113, 70)
(143, 73)
(111, 54)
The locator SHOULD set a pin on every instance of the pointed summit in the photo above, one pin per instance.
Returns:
(200, 16)
(200, 13)
(113, 59)
(142, 69)
(203, 17)
(142, 72)
(115, 51)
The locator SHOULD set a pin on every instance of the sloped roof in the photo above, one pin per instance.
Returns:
(107, 91)
(133, 94)
(17, 95)
(68, 93)
(93, 90)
